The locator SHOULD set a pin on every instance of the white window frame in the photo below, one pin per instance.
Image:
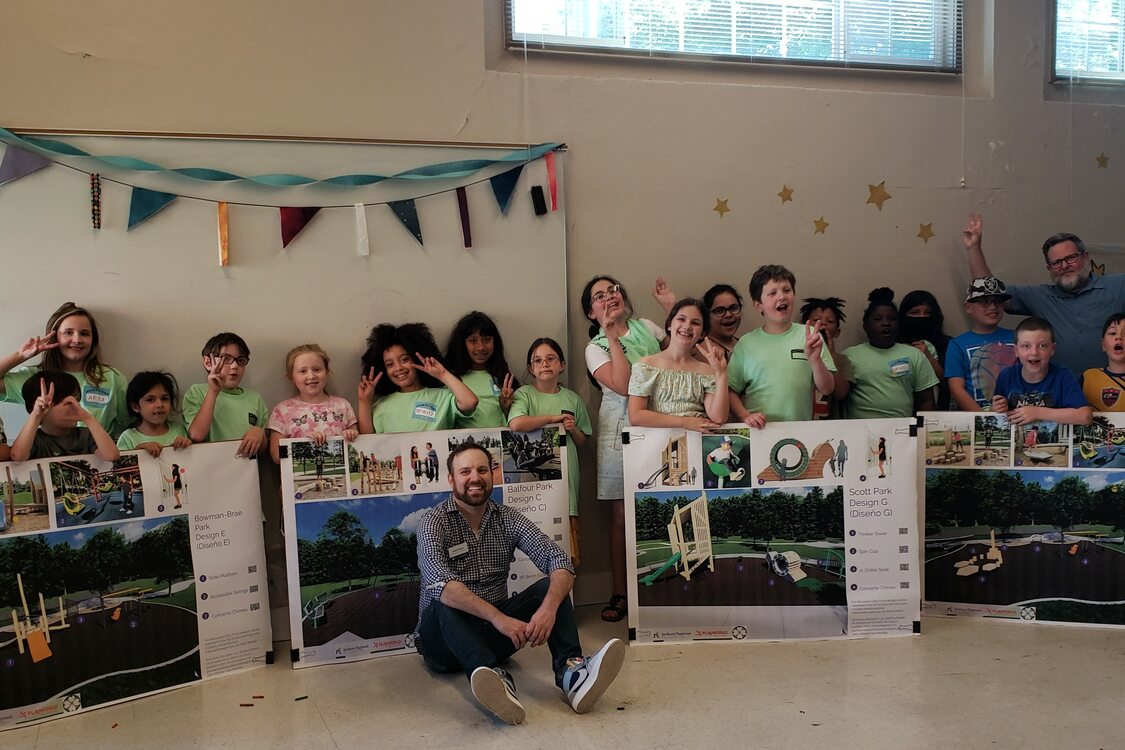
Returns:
(1077, 77)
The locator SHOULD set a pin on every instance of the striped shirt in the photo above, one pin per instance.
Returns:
(448, 550)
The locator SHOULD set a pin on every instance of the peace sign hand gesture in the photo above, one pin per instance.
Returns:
(507, 392)
(37, 345)
(430, 365)
(45, 401)
(367, 383)
(716, 356)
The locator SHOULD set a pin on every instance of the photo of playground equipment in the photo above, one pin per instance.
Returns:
(532, 456)
(83, 494)
(992, 441)
(726, 460)
(1100, 445)
(1042, 444)
(491, 442)
(675, 466)
(766, 547)
(948, 443)
(372, 473)
(119, 622)
(1012, 537)
(689, 538)
(318, 470)
(359, 566)
(791, 460)
(23, 499)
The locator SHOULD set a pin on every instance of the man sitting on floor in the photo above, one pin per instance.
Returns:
(466, 621)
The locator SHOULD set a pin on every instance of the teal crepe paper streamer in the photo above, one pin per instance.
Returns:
(443, 170)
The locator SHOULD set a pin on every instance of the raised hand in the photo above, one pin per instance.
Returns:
(367, 383)
(813, 340)
(507, 392)
(45, 401)
(715, 355)
(972, 233)
(429, 365)
(217, 375)
(663, 294)
(37, 345)
(69, 408)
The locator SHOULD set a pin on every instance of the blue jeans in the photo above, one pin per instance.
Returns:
(451, 640)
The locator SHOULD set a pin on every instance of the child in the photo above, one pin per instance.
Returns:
(313, 413)
(5, 451)
(152, 398)
(544, 403)
(829, 312)
(221, 409)
(51, 429)
(1033, 389)
(723, 306)
(476, 355)
(889, 379)
(921, 325)
(1104, 387)
(976, 357)
(775, 368)
(411, 396)
(673, 389)
(71, 344)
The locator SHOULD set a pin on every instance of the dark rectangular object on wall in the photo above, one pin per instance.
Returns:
(538, 200)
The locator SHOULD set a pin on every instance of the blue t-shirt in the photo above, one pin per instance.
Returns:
(1077, 318)
(1059, 390)
(978, 358)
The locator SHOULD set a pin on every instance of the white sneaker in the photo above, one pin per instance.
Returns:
(585, 681)
(494, 689)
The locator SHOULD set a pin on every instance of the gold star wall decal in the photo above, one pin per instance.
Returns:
(878, 194)
(721, 206)
(1097, 268)
(925, 232)
(820, 225)
(1103, 160)
(786, 194)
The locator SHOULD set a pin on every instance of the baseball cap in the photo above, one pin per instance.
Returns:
(986, 286)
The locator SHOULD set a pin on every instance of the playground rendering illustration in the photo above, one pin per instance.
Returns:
(759, 547)
(88, 492)
(359, 569)
(1051, 539)
(1100, 445)
(119, 621)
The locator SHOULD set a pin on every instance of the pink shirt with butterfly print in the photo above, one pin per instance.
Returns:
(295, 418)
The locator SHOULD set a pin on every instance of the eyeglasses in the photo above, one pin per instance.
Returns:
(722, 312)
(990, 301)
(600, 296)
(550, 359)
(226, 359)
(1069, 260)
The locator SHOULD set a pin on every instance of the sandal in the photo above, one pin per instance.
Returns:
(615, 610)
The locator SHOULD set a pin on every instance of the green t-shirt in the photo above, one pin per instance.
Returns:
(530, 402)
(416, 411)
(236, 411)
(133, 437)
(488, 412)
(105, 402)
(773, 375)
(885, 380)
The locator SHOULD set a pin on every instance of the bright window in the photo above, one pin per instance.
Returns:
(1090, 40)
(896, 34)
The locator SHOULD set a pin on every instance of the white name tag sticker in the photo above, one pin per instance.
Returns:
(95, 396)
(425, 412)
(459, 550)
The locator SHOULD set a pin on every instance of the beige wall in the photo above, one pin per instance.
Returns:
(651, 146)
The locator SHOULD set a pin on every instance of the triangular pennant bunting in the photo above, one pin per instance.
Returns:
(362, 242)
(552, 181)
(19, 163)
(503, 185)
(144, 203)
(293, 220)
(224, 235)
(463, 208)
(407, 213)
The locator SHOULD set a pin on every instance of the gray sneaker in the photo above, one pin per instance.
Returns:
(585, 681)
(494, 689)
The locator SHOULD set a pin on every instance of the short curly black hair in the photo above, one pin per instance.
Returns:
(415, 338)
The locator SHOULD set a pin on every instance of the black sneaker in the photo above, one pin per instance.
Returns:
(493, 688)
(585, 681)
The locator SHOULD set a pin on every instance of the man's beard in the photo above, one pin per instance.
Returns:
(1080, 279)
(467, 499)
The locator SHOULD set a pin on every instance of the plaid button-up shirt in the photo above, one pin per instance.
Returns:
(483, 566)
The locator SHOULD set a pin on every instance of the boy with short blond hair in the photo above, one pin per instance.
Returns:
(53, 414)
(774, 369)
(221, 409)
(1034, 389)
(974, 359)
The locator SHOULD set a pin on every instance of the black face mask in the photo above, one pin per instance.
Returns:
(915, 329)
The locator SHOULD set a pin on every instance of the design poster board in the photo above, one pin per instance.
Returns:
(799, 530)
(1025, 522)
(126, 578)
(351, 511)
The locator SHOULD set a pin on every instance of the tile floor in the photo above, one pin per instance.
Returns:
(963, 684)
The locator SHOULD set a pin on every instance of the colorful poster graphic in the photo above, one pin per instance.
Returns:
(350, 542)
(112, 588)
